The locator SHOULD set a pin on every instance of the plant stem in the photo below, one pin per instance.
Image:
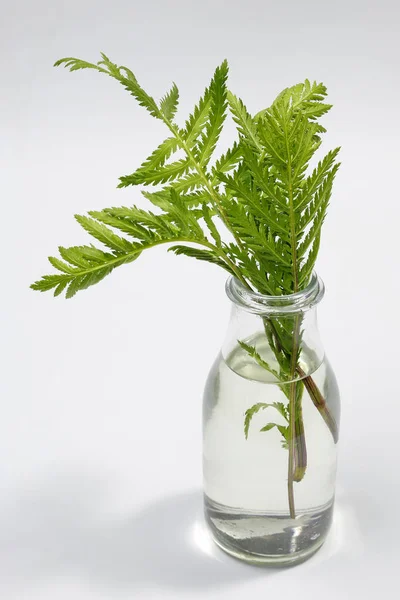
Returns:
(300, 449)
(291, 463)
(320, 403)
(293, 417)
(307, 380)
(295, 471)
(300, 465)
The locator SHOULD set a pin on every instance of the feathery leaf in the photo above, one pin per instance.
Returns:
(245, 124)
(259, 188)
(218, 103)
(169, 103)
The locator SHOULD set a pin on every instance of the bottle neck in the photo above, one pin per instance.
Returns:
(274, 336)
(265, 305)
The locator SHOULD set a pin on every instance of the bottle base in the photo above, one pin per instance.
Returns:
(268, 539)
(269, 560)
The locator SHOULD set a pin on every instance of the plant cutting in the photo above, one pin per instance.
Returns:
(256, 211)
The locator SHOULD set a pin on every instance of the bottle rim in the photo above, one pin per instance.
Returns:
(263, 304)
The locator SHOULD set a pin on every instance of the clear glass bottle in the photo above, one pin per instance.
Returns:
(269, 494)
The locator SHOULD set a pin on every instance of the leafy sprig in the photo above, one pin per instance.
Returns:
(282, 410)
(271, 215)
(256, 211)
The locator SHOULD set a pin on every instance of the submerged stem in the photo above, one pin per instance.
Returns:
(320, 403)
(300, 440)
(291, 462)
(307, 380)
(293, 475)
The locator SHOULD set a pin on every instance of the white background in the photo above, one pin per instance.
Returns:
(100, 439)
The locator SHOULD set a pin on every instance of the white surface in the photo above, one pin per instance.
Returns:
(100, 443)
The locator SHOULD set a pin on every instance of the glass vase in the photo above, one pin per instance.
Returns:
(270, 428)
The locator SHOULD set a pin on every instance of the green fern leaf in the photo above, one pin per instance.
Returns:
(158, 157)
(246, 125)
(282, 409)
(255, 237)
(227, 161)
(217, 114)
(263, 180)
(284, 431)
(268, 427)
(305, 97)
(251, 350)
(60, 265)
(129, 226)
(60, 288)
(197, 120)
(307, 268)
(162, 198)
(188, 183)
(206, 213)
(82, 282)
(148, 221)
(48, 282)
(249, 414)
(163, 174)
(249, 265)
(83, 256)
(312, 183)
(121, 74)
(75, 64)
(87, 265)
(253, 201)
(312, 234)
(200, 254)
(318, 204)
(104, 234)
(169, 103)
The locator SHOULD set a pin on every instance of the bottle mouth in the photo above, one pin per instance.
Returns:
(261, 304)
